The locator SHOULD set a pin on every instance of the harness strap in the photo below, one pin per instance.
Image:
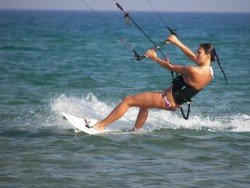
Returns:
(188, 111)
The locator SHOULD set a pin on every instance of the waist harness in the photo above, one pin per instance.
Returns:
(182, 93)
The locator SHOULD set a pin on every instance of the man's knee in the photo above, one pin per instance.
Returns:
(126, 99)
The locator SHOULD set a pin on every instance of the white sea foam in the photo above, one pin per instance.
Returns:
(90, 106)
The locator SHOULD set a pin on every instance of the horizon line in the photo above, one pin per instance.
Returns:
(99, 10)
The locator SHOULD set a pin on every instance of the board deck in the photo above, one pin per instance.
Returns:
(80, 124)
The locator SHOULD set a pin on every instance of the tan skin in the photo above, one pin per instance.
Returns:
(196, 76)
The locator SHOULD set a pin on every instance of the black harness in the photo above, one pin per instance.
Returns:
(182, 93)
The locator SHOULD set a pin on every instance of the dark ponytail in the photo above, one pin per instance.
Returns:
(209, 49)
(218, 61)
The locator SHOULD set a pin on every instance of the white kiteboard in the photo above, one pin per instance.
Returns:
(80, 124)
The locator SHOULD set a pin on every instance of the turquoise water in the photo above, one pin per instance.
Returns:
(70, 61)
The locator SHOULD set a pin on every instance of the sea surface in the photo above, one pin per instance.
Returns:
(78, 63)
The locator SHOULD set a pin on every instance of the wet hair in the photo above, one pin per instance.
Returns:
(209, 49)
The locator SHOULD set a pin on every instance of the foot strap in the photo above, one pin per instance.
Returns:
(90, 123)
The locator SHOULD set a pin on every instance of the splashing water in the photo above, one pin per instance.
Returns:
(90, 106)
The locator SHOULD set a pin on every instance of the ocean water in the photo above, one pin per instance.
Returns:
(64, 61)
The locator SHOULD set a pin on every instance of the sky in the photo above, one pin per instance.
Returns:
(132, 5)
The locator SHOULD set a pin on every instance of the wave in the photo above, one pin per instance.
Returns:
(90, 106)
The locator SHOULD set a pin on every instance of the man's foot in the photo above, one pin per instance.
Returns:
(93, 125)
(134, 129)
